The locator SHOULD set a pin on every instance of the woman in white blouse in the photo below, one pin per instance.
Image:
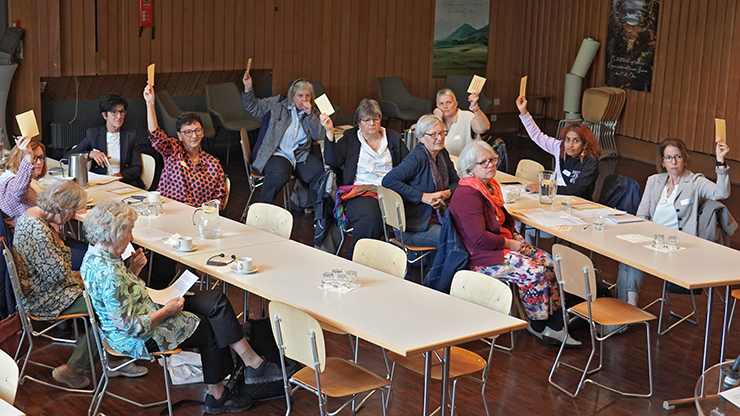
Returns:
(361, 158)
(672, 198)
(460, 124)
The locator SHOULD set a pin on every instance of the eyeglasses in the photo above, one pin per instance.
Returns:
(189, 133)
(370, 120)
(677, 158)
(488, 162)
(437, 136)
(117, 112)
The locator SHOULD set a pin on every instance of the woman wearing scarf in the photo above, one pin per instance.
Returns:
(361, 158)
(495, 249)
(425, 179)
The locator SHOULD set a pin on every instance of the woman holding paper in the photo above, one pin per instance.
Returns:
(459, 123)
(672, 198)
(50, 287)
(19, 184)
(495, 249)
(576, 156)
(362, 158)
(135, 326)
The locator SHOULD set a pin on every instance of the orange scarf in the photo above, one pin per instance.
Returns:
(494, 196)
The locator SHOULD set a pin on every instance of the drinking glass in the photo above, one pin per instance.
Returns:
(598, 223)
(514, 194)
(566, 204)
(352, 278)
(673, 242)
(548, 187)
(659, 241)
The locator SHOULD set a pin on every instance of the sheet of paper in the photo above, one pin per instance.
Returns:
(98, 179)
(124, 190)
(476, 84)
(635, 238)
(732, 395)
(150, 234)
(664, 249)
(27, 124)
(176, 290)
(324, 105)
(720, 129)
(150, 75)
(552, 219)
(128, 252)
(523, 87)
(249, 64)
(590, 213)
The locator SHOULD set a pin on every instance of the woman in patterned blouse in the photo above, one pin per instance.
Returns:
(190, 175)
(135, 326)
(50, 287)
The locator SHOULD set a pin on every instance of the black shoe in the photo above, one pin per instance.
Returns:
(265, 373)
(228, 403)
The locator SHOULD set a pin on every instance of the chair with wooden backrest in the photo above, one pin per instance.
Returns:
(576, 276)
(484, 291)
(378, 255)
(253, 178)
(149, 165)
(529, 169)
(8, 377)
(106, 353)
(29, 333)
(300, 337)
(394, 214)
(228, 193)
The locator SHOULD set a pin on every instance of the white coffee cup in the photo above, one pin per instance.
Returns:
(184, 243)
(153, 197)
(506, 193)
(243, 264)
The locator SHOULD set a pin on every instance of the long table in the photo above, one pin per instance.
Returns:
(395, 314)
(687, 268)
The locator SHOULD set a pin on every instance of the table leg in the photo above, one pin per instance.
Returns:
(445, 381)
(427, 381)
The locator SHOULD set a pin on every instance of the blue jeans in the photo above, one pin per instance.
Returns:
(427, 238)
(629, 279)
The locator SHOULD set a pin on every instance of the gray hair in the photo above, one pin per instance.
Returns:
(299, 85)
(367, 108)
(426, 123)
(62, 198)
(108, 222)
(469, 157)
(446, 91)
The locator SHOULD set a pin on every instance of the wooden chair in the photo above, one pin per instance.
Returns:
(576, 276)
(484, 291)
(228, 193)
(106, 353)
(149, 166)
(394, 214)
(529, 169)
(29, 333)
(300, 337)
(253, 178)
(8, 377)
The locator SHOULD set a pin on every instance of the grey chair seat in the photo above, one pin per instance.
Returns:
(397, 102)
(225, 102)
(168, 111)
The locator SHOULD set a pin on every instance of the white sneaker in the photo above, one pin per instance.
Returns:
(557, 337)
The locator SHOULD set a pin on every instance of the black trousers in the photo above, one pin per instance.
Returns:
(277, 173)
(217, 330)
(367, 222)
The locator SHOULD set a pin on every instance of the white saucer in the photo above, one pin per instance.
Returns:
(254, 270)
(193, 248)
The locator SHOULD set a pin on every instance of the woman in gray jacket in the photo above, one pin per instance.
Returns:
(672, 199)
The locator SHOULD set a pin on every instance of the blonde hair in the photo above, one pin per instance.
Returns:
(16, 155)
(62, 198)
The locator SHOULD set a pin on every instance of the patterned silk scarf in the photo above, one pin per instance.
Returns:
(441, 178)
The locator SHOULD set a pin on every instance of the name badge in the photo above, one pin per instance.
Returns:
(566, 172)
(686, 201)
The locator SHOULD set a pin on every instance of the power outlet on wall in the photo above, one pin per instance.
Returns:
(494, 117)
(496, 101)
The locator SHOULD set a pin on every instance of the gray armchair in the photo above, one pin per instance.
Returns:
(396, 101)
(459, 85)
(225, 102)
(168, 111)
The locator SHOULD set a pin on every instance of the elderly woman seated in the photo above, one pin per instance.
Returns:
(425, 179)
(495, 249)
(362, 157)
(135, 326)
(50, 287)
(18, 184)
(460, 124)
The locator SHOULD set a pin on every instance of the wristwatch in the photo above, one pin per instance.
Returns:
(721, 164)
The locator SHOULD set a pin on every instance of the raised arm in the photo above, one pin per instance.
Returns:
(480, 124)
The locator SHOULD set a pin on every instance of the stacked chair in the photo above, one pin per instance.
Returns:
(600, 109)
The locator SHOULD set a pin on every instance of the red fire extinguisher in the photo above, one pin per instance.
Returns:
(146, 16)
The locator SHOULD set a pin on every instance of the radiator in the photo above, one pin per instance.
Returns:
(65, 135)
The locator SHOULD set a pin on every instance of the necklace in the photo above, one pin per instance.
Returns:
(376, 146)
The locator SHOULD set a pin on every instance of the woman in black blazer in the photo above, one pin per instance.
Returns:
(361, 158)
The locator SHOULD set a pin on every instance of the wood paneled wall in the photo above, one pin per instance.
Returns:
(347, 44)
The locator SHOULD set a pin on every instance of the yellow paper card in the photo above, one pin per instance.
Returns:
(565, 228)
(523, 87)
(720, 129)
(150, 75)
(324, 105)
(27, 124)
(249, 64)
(476, 84)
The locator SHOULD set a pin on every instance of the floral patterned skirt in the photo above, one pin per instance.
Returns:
(534, 275)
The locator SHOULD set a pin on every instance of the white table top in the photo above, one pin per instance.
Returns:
(396, 314)
(7, 409)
